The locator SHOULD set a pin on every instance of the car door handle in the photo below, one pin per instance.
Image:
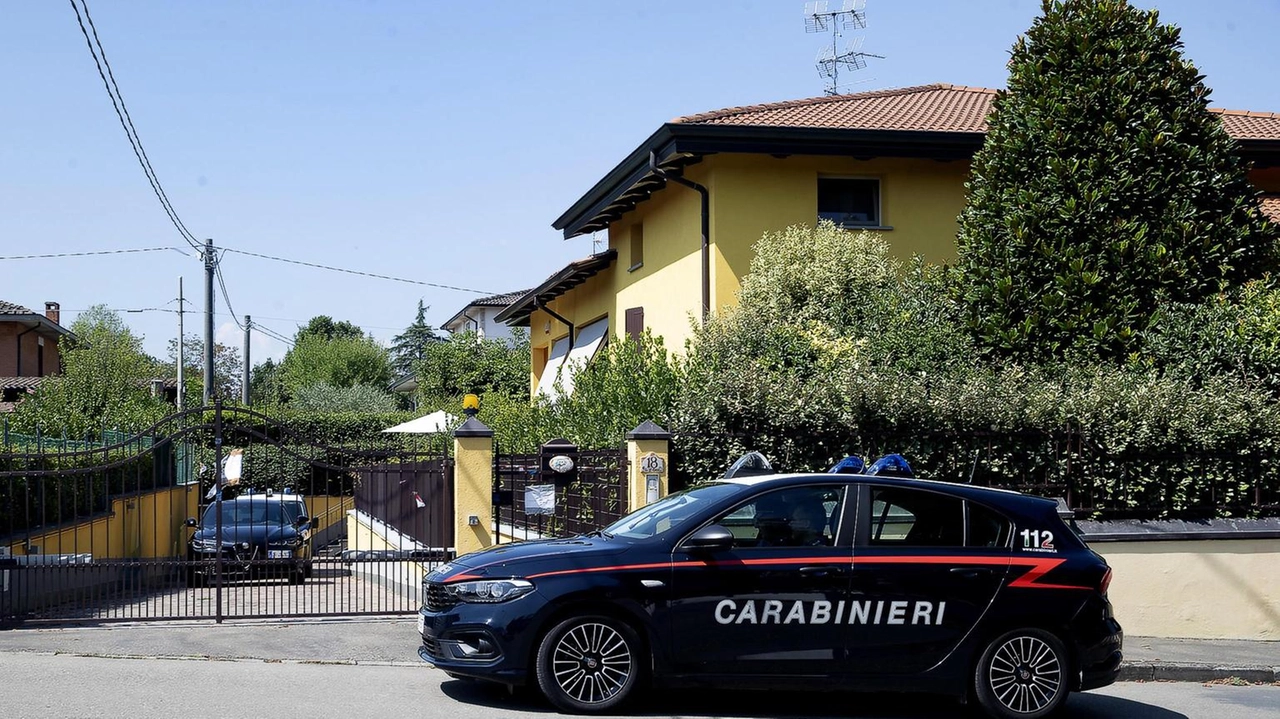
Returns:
(971, 572)
(822, 571)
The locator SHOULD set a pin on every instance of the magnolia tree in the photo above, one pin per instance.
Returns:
(1105, 187)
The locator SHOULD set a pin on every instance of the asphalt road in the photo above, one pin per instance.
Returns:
(48, 685)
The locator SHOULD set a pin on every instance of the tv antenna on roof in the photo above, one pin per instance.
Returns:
(852, 15)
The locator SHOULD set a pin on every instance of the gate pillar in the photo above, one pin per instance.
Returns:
(472, 486)
(648, 455)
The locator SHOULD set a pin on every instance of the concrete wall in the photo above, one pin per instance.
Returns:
(369, 538)
(1215, 589)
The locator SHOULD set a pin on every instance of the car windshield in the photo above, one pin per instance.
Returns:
(669, 513)
(244, 511)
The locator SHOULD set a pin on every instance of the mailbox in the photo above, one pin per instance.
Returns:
(559, 461)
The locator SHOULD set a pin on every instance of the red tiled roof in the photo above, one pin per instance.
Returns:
(938, 108)
(1271, 206)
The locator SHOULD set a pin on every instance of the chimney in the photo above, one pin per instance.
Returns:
(52, 310)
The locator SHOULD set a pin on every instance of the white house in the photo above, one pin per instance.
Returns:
(478, 316)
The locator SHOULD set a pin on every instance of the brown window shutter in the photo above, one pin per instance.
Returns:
(635, 323)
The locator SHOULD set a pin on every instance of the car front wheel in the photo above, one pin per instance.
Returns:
(588, 665)
(1022, 674)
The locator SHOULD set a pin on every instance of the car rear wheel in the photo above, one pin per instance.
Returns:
(588, 664)
(1022, 674)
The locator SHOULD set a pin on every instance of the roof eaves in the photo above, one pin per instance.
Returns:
(35, 319)
(565, 279)
(686, 143)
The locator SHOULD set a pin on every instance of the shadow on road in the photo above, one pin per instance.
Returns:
(785, 705)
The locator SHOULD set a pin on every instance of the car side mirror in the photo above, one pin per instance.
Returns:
(191, 522)
(713, 538)
(301, 521)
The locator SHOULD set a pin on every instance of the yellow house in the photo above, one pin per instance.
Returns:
(683, 210)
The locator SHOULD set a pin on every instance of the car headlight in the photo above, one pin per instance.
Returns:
(488, 591)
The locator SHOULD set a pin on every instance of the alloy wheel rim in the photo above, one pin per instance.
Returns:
(591, 663)
(1025, 675)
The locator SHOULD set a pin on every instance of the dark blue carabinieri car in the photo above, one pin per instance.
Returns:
(836, 581)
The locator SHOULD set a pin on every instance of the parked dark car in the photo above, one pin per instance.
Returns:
(831, 581)
(262, 535)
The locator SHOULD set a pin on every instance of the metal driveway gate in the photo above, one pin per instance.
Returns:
(101, 529)
(594, 498)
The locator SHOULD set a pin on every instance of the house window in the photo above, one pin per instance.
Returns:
(637, 247)
(564, 361)
(849, 202)
(635, 323)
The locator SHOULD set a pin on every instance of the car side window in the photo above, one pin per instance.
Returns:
(986, 528)
(914, 518)
(791, 517)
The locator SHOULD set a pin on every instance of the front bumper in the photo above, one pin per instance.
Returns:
(492, 642)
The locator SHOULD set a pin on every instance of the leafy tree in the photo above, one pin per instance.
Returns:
(323, 397)
(227, 369)
(339, 359)
(1104, 187)
(266, 386)
(105, 382)
(465, 363)
(410, 346)
(326, 327)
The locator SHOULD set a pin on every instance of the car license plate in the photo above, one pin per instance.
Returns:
(279, 554)
(422, 623)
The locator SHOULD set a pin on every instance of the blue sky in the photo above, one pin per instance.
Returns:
(435, 141)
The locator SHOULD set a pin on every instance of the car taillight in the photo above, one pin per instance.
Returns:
(1105, 583)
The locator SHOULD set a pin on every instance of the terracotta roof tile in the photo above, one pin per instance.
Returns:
(501, 300)
(938, 108)
(9, 308)
(1271, 206)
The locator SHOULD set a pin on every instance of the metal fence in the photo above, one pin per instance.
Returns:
(597, 498)
(137, 529)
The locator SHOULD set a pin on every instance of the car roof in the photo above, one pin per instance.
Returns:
(967, 490)
(264, 497)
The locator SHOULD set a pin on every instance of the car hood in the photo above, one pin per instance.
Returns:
(523, 558)
(253, 534)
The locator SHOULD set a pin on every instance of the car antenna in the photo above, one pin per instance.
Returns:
(974, 470)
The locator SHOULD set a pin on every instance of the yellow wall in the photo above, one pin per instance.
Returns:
(750, 195)
(151, 525)
(754, 194)
(141, 526)
(325, 510)
(1227, 589)
(582, 305)
(472, 493)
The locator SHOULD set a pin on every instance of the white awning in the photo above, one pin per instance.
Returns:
(587, 342)
(547, 382)
(438, 421)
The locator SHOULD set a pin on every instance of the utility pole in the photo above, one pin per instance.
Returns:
(244, 378)
(210, 266)
(181, 354)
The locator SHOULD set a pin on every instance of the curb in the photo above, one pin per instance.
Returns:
(1192, 672)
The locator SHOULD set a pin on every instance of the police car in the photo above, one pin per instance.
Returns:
(262, 534)
(836, 581)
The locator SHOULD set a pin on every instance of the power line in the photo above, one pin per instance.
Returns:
(126, 121)
(225, 297)
(94, 252)
(267, 331)
(357, 272)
